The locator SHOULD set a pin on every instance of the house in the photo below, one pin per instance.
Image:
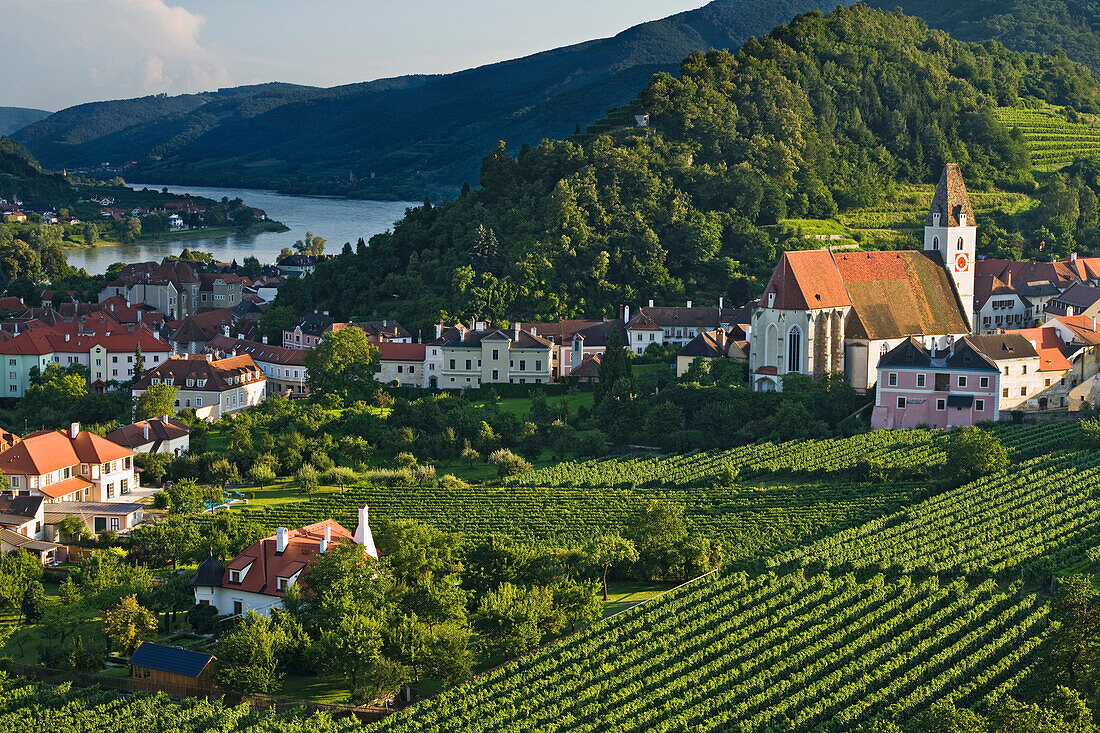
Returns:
(171, 288)
(212, 387)
(15, 217)
(1077, 300)
(300, 265)
(998, 305)
(308, 332)
(158, 435)
(284, 368)
(483, 355)
(68, 466)
(47, 553)
(98, 517)
(382, 331)
(1081, 339)
(258, 578)
(838, 312)
(175, 221)
(588, 370)
(1031, 363)
(641, 118)
(401, 364)
(109, 356)
(22, 514)
(676, 325)
(219, 290)
(919, 385)
(716, 344)
(573, 340)
(192, 334)
(173, 670)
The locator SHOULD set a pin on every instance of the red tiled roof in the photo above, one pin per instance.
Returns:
(216, 372)
(804, 281)
(66, 487)
(133, 436)
(50, 450)
(1082, 327)
(1049, 345)
(392, 351)
(267, 353)
(267, 565)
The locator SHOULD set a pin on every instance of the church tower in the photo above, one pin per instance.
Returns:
(951, 231)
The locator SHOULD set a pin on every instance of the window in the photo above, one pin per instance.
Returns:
(67, 472)
(1006, 371)
(114, 359)
(893, 379)
(1004, 392)
(943, 382)
(15, 482)
(538, 366)
(114, 524)
(496, 374)
(941, 405)
(979, 405)
(468, 365)
(983, 382)
(523, 365)
(1023, 369)
(110, 491)
(11, 362)
(639, 337)
(124, 486)
(1046, 382)
(412, 369)
(238, 608)
(794, 349)
(962, 381)
(651, 337)
(959, 244)
(901, 403)
(234, 576)
(920, 380)
(935, 242)
(198, 402)
(496, 354)
(283, 583)
(1023, 391)
(400, 369)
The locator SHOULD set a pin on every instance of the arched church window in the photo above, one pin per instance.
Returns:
(794, 349)
(935, 242)
(960, 244)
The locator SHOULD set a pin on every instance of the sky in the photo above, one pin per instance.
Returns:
(58, 53)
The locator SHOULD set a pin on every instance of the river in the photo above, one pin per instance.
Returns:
(337, 220)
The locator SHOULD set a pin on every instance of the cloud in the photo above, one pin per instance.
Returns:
(71, 51)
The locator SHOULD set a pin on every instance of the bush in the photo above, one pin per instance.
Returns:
(307, 478)
(1090, 434)
(160, 500)
(508, 463)
(404, 459)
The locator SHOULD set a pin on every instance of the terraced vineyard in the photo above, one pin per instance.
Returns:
(806, 649)
(1051, 138)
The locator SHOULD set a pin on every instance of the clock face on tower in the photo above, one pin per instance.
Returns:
(962, 262)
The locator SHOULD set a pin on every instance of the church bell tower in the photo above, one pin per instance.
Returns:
(951, 231)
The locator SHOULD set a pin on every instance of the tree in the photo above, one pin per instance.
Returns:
(508, 463)
(130, 229)
(579, 603)
(128, 624)
(185, 497)
(972, 453)
(261, 474)
(247, 660)
(311, 245)
(33, 604)
(416, 551)
(139, 367)
(512, 619)
(165, 543)
(154, 466)
(614, 364)
(73, 529)
(274, 321)
(448, 656)
(609, 550)
(157, 400)
(19, 260)
(91, 234)
(351, 646)
(344, 363)
(1075, 645)
(307, 478)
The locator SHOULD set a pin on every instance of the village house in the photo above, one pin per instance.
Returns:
(574, 340)
(1082, 347)
(482, 355)
(1032, 365)
(1077, 300)
(284, 368)
(720, 343)
(919, 385)
(678, 326)
(828, 312)
(308, 332)
(300, 265)
(108, 357)
(401, 364)
(157, 435)
(171, 288)
(68, 466)
(193, 333)
(22, 527)
(998, 305)
(213, 388)
(98, 517)
(384, 331)
(219, 290)
(258, 578)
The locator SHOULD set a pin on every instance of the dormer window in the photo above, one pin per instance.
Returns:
(283, 584)
(190, 382)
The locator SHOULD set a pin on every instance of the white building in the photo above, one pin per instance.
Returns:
(213, 388)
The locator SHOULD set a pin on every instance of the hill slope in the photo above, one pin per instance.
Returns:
(16, 118)
(1038, 26)
(820, 116)
(21, 176)
(415, 133)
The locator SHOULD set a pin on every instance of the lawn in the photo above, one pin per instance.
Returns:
(623, 594)
(522, 405)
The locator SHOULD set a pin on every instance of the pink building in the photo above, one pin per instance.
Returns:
(945, 389)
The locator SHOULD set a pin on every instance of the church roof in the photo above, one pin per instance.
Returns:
(806, 280)
(950, 199)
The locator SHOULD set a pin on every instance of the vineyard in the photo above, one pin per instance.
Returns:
(816, 647)
(1051, 138)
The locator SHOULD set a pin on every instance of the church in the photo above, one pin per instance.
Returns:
(827, 311)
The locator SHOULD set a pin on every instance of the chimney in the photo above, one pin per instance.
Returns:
(473, 324)
(145, 431)
(721, 302)
(1094, 323)
(689, 305)
(326, 540)
(651, 303)
(280, 539)
(74, 428)
(164, 419)
(439, 330)
(363, 534)
(263, 339)
(1072, 256)
(385, 323)
(66, 337)
(1008, 278)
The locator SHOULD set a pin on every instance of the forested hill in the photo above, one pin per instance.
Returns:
(21, 176)
(16, 118)
(1039, 26)
(819, 116)
(417, 134)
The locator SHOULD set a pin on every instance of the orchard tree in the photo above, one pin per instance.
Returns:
(185, 497)
(973, 453)
(128, 624)
(609, 550)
